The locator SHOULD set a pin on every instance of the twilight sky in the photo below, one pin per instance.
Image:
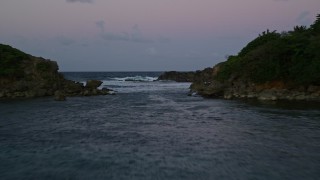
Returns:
(142, 35)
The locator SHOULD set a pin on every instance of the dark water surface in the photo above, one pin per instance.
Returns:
(152, 130)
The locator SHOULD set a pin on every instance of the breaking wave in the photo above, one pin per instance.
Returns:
(136, 78)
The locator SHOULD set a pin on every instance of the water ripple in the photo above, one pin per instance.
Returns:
(157, 135)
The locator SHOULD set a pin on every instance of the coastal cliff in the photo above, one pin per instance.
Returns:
(26, 76)
(274, 66)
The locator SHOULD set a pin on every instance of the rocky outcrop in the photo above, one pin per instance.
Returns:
(177, 76)
(273, 66)
(25, 76)
(207, 85)
(268, 91)
(59, 96)
(93, 84)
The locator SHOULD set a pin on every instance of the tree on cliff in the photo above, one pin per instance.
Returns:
(316, 25)
(292, 57)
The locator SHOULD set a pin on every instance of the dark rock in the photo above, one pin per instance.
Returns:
(59, 96)
(93, 84)
(86, 93)
(313, 89)
(73, 88)
(177, 76)
(105, 91)
(40, 92)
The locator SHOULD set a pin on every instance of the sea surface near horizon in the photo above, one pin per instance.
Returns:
(153, 130)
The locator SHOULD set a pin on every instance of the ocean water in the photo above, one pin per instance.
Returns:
(153, 130)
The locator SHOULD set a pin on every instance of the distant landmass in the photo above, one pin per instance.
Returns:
(177, 76)
(26, 76)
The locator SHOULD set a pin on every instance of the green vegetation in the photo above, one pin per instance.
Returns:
(292, 56)
(43, 66)
(10, 61)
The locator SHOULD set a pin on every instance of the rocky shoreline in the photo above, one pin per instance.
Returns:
(68, 89)
(206, 85)
(25, 76)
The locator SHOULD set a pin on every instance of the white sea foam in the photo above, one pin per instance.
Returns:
(136, 78)
(142, 86)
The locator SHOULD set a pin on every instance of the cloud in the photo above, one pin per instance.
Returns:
(135, 35)
(80, 1)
